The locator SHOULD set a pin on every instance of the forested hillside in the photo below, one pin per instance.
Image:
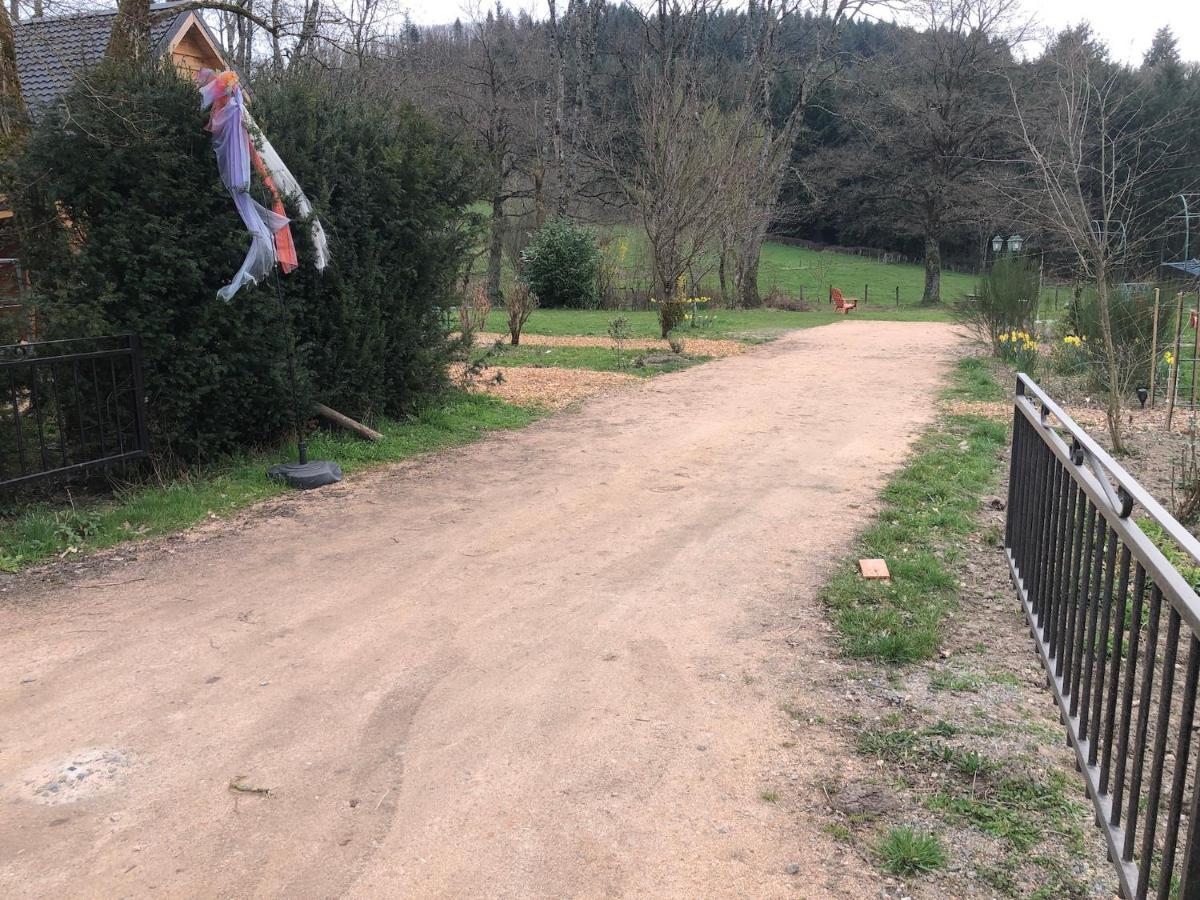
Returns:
(710, 127)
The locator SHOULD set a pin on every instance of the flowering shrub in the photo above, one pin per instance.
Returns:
(1005, 300)
(1070, 356)
(1019, 349)
(671, 312)
(1165, 363)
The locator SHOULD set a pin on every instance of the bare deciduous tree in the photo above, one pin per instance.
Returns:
(1089, 155)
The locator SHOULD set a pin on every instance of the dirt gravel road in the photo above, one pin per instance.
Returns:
(546, 665)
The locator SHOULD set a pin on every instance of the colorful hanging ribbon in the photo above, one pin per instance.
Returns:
(271, 237)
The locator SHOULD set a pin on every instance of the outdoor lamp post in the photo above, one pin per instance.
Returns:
(997, 243)
(1015, 243)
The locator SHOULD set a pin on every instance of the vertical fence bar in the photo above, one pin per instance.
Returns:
(1100, 650)
(1131, 668)
(1143, 725)
(1179, 776)
(1114, 678)
(1070, 546)
(1074, 648)
(1160, 750)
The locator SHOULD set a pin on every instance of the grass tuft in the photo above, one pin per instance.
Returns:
(908, 851)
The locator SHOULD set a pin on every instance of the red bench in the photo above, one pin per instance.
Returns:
(840, 303)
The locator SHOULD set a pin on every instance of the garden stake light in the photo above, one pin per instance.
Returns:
(1142, 394)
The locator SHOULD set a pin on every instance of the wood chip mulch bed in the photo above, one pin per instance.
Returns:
(694, 346)
(549, 388)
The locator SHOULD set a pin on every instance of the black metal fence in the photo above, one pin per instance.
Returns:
(1116, 625)
(67, 406)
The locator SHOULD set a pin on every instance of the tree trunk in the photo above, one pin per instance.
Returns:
(276, 48)
(495, 252)
(933, 271)
(746, 274)
(539, 195)
(129, 40)
(721, 276)
(560, 87)
(14, 117)
(1111, 364)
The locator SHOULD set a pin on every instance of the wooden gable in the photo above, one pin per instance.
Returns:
(192, 49)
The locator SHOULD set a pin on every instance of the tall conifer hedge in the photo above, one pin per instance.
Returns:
(126, 227)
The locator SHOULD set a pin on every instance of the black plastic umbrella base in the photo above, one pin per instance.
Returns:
(314, 474)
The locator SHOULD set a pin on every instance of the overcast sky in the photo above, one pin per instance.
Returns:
(1126, 25)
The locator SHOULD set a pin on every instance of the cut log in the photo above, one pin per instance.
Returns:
(346, 422)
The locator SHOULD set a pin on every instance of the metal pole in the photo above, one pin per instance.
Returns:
(301, 445)
(1153, 346)
(1174, 389)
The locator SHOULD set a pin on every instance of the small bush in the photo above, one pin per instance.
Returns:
(672, 310)
(520, 304)
(472, 315)
(561, 266)
(1005, 300)
(620, 331)
(1131, 316)
(907, 851)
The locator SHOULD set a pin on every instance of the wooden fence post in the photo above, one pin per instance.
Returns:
(866, 293)
(1153, 346)
(897, 296)
(1174, 388)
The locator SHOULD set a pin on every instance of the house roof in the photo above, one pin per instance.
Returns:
(52, 53)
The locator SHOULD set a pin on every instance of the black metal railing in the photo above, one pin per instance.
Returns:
(67, 406)
(1117, 626)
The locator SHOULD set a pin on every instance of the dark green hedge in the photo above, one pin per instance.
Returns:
(126, 227)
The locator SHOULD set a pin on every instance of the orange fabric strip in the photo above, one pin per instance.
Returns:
(285, 247)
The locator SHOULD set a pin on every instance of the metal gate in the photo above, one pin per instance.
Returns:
(67, 406)
(1116, 625)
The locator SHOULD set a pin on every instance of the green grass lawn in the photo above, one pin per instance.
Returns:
(792, 269)
(40, 531)
(738, 324)
(599, 359)
(788, 269)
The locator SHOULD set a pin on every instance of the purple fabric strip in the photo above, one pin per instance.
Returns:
(232, 149)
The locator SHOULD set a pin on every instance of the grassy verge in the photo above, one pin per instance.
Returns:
(599, 359)
(737, 324)
(928, 508)
(969, 787)
(41, 531)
